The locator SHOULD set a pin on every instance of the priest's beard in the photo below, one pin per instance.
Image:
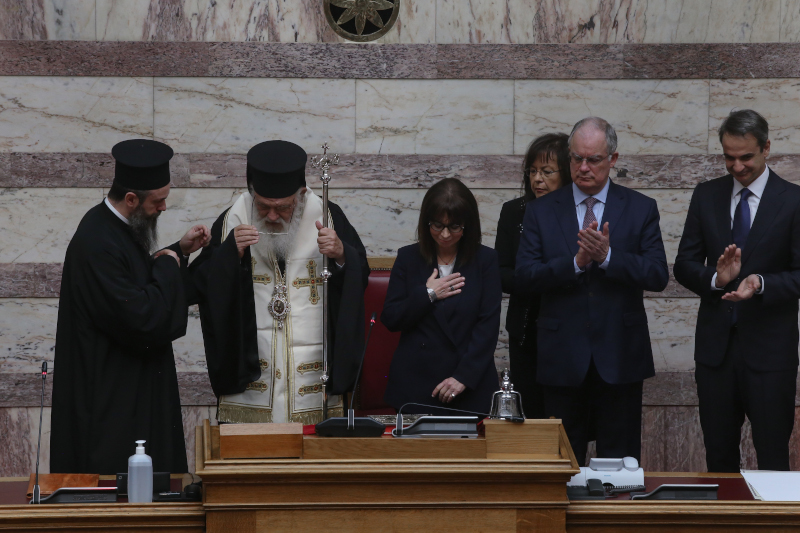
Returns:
(282, 234)
(143, 227)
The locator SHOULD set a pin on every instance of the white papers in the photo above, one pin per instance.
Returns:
(773, 486)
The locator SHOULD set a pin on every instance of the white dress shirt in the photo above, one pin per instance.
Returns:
(757, 190)
(598, 210)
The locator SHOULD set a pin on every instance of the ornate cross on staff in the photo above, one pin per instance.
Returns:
(324, 162)
(312, 281)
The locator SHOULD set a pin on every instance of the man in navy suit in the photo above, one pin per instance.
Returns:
(591, 250)
(740, 252)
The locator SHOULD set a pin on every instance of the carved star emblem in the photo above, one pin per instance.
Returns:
(362, 10)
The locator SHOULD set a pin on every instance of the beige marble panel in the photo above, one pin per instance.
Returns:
(87, 115)
(231, 115)
(38, 223)
(650, 116)
(27, 333)
(299, 21)
(19, 434)
(485, 21)
(672, 324)
(428, 117)
(666, 21)
(47, 19)
(672, 207)
(193, 416)
(183, 20)
(189, 351)
(790, 23)
(776, 99)
(415, 24)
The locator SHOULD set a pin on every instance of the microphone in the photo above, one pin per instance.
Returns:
(351, 426)
(399, 422)
(37, 493)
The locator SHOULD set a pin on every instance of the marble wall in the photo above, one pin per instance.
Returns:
(420, 21)
(457, 89)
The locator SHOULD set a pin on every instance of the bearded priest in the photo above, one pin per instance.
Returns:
(120, 308)
(259, 285)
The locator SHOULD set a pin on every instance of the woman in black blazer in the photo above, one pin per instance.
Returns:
(444, 296)
(544, 169)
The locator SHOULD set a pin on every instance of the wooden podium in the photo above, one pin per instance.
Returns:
(512, 480)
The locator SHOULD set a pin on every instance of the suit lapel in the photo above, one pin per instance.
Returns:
(768, 208)
(615, 205)
(567, 217)
(722, 211)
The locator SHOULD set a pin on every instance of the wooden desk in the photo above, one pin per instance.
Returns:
(359, 488)
(734, 511)
(17, 515)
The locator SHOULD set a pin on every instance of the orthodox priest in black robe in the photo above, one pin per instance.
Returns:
(259, 285)
(119, 310)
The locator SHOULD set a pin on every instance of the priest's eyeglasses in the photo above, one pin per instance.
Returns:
(592, 161)
(438, 226)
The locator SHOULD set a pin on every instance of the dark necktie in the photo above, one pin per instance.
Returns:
(589, 217)
(741, 220)
(739, 232)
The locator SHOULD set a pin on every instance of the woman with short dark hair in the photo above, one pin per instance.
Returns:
(444, 296)
(545, 168)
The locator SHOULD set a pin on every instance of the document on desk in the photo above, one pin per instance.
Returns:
(771, 486)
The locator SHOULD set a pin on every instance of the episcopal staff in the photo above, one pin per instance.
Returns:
(119, 311)
(740, 252)
(591, 250)
(259, 286)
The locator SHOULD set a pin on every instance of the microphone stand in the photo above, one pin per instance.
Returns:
(37, 492)
(324, 162)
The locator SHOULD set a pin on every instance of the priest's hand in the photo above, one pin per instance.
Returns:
(447, 390)
(197, 237)
(245, 236)
(168, 252)
(329, 244)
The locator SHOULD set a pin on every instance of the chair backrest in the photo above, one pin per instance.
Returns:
(378, 358)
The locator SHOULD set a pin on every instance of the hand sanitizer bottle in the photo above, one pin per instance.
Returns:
(140, 476)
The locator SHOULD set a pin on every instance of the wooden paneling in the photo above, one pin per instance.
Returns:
(388, 447)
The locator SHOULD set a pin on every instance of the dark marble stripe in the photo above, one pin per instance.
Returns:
(25, 389)
(43, 280)
(30, 280)
(370, 171)
(420, 61)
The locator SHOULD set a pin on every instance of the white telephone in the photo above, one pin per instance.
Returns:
(619, 473)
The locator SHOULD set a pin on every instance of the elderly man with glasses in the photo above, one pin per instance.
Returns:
(591, 250)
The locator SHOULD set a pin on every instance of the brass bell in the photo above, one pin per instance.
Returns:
(507, 403)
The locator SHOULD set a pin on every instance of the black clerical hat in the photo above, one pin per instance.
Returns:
(276, 169)
(142, 164)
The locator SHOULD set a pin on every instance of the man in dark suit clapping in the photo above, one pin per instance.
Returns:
(740, 252)
(591, 250)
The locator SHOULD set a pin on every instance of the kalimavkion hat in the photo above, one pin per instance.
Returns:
(142, 164)
(276, 169)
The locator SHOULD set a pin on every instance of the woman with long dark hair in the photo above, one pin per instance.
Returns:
(545, 168)
(444, 296)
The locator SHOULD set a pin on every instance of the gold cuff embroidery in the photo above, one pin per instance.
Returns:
(259, 386)
(264, 364)
(316, 366)
(310, 389)
(264, 279)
